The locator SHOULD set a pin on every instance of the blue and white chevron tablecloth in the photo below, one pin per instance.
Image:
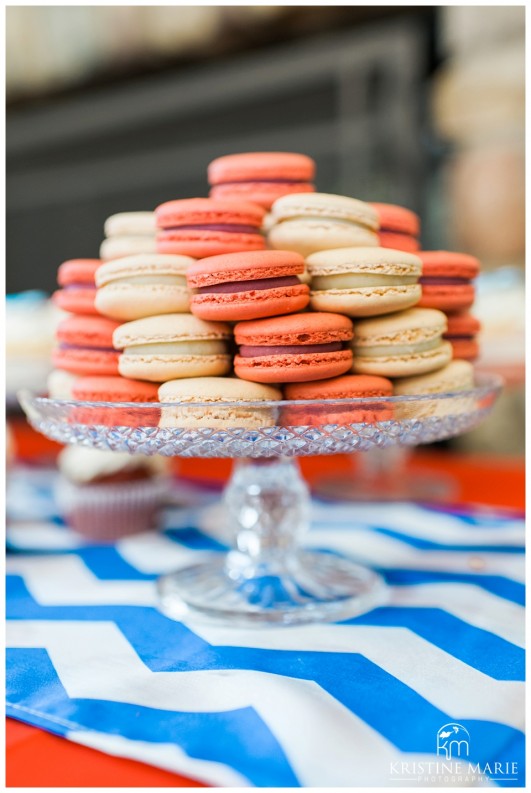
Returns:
(360, 703)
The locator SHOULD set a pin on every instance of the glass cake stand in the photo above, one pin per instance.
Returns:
(267, 577)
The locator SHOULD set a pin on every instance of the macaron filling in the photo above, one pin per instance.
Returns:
(66, 346)
(325, 218)
(432, 280)
(188, 347)
(70, 287)
(261, 180)
(250, 351)
(360, 280)
(259, 284)
(398, 349)
(232, 228)
(154, 279)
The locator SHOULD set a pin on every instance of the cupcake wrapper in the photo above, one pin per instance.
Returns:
(109, 512)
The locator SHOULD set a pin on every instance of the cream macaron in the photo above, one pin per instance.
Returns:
(310, 222)
(364, 282)
(456, 376)
(171, 346)
(200, 402)
(128, 233)
(402, 344)
(143, 286)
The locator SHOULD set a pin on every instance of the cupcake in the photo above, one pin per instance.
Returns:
(107, 495)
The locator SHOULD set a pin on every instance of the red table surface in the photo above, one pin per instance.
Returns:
(39, 759)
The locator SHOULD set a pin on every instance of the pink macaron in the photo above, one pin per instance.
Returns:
(461, 333)
(261, 177)
(447, 280)
(293, 348)
(242, 286)
(76, 277)
(399, 227)
(202, 227)
(85, 346)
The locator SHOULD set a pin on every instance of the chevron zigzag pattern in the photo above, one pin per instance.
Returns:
(90, 657)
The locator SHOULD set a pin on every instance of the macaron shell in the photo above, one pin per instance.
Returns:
(263, 193)
(160, 368)
(76, 301)
(86, 331)
(261, 165)
(145, 264)
(344, 387)
(116, 389)
(244, 267)
(463, 324)
(86, 361)
(307, 236)
(252, 304)
(125, 302)
(367, 301)
(168, 328)
(458, 375)
(404, 365)
(295, 329)
(207, 211)
(447, 298)
(396, 218)
(412, 326)
(400, 242)
(326, 206)
(78, 271)
(293, 368)
(203, 243)
(448, 264)
(130, 224)
(465, 349)
(216, 390)
(119, 247)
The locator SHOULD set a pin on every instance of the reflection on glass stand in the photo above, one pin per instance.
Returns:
(266, 577)
(385, 475)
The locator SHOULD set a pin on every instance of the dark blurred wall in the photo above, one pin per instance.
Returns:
(354, 100)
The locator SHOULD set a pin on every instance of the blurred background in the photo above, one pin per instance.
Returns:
(120, 108)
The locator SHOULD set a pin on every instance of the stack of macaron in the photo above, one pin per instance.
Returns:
(84, 339)
(206, 299)
(447, 285)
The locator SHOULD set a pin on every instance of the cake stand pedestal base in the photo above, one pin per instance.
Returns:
(267, 578)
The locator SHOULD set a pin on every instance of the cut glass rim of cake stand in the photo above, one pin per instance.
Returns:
(291, 428)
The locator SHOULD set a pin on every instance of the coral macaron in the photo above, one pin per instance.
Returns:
(399, 227)
(293, 348)
(202, 227)
(447, 280)
(260, 177)
(347, 386)
(76, 277)
(242, 286)
(116, 389)
(85, 346)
